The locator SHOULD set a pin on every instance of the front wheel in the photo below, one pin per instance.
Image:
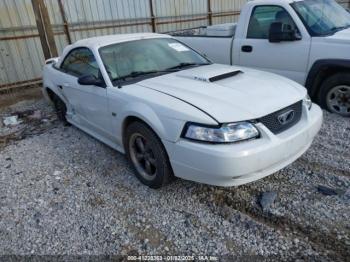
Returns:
(335, 94)
(147, 155)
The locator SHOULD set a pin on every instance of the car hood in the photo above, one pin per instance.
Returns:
(340, 36)
(229, 93)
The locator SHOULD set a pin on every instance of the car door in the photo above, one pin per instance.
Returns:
(88, 103)
(287, 58)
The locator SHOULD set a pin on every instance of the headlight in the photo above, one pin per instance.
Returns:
(307, 101)
(226, 133)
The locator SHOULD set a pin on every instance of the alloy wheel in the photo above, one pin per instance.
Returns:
(142, 156)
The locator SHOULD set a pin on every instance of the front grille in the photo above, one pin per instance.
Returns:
(273, 123)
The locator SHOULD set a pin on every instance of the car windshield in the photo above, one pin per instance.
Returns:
(139, 59)
(322, 17)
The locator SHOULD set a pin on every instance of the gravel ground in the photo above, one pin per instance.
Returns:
(63, 192)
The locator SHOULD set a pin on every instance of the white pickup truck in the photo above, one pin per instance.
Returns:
(307, 41)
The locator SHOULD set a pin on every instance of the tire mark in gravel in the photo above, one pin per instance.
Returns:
(325, 244)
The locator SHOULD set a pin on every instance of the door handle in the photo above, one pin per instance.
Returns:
(63, 85)
(247, 48)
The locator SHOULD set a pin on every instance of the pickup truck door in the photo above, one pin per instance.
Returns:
(88, 103)
(287, 58)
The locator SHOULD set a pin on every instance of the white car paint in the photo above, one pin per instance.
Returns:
(292, 59)
(166, 103)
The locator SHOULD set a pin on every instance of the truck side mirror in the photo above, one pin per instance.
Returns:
(282, 32)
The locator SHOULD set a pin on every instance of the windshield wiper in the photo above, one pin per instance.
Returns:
(182, 65)
(135, 74)
(337, 29)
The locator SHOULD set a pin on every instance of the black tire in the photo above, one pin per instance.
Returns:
(162, 171)
(331, 96)
(61, 109)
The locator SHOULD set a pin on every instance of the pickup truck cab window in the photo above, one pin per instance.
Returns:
(263, 16)
(322, 17)
(79, 62)
(136, 60)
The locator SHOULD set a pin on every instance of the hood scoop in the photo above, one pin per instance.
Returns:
(223, 76)
(209, 77)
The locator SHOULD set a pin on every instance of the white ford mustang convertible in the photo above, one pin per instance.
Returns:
(176, 114)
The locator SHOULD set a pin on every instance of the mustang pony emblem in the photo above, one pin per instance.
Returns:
(286, 117)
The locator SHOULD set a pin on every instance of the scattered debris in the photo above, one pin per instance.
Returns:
(57, 174)
(36, 115)
(326, 190)
(19, 123)
(12, 121)
(267, 199)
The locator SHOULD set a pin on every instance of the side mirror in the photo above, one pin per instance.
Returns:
(88, 80)
(282, 32)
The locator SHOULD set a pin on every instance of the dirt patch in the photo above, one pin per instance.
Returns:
(7, 100)
(31, 123)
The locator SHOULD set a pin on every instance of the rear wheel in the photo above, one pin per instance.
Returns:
(61, 109)
(147, 155)
(335, 94)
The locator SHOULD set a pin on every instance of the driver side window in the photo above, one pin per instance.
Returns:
(263, 16)
(79, 62)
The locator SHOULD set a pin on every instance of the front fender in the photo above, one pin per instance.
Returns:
(166, 115)
(319, 69)
(166, 128)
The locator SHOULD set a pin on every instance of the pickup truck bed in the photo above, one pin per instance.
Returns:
(220, 38)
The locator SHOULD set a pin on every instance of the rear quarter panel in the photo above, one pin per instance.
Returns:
(50, 77)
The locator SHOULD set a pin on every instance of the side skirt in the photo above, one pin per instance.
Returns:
(98, 137)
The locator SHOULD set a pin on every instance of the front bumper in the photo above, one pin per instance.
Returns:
(244, 162)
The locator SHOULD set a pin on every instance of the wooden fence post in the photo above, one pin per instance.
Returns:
(153, 19)
(210, 14)
(44, 29)
(65, 21)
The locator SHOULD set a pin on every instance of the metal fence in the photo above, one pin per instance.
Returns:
(32, 30)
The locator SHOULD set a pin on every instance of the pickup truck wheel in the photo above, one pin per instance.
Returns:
(147, 155)
(335, 94)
